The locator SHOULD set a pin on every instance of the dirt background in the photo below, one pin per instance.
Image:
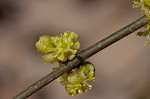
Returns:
(122, 69)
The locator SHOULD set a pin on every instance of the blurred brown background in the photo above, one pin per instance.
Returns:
(122, 69)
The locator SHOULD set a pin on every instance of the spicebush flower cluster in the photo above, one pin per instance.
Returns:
(60, 49)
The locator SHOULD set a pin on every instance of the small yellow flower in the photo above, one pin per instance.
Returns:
(76, 81)
(44, 44)
(59, 48)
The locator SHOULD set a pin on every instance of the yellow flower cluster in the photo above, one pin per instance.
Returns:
(145, 7)
(76, 81)
(58, 48)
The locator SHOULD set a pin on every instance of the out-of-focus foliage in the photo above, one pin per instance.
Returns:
(145, 7)
(144, 33)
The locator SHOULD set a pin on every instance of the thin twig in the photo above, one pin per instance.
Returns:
(82, 56)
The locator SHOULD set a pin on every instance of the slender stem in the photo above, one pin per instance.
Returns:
(82, 56)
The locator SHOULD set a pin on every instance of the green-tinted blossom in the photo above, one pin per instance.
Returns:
(76, 81)
(58, 48)
(44, 44)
